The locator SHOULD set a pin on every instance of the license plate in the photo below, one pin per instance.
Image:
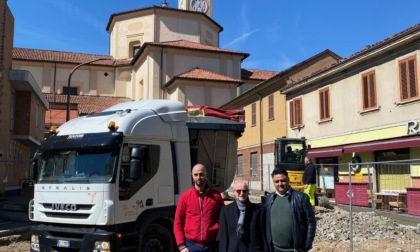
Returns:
(63, 244)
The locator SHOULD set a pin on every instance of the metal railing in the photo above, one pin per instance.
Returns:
(388, 189)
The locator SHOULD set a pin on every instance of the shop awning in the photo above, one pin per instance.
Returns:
(395, 143)
(325, 152)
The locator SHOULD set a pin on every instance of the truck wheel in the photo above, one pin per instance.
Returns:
(157, 239)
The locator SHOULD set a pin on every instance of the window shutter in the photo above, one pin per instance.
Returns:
(365, 92)
(271, 107)
(298, 119)
(321, 105)
(291, 113)
(372, 91)
(412, 74)
(404, 91)
(254, 114)
(327, 104)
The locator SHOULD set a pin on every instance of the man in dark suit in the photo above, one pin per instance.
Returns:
(235, 220)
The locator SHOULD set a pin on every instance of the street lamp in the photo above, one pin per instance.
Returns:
(69, 81)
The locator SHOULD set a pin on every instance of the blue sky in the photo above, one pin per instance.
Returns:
(276, 33)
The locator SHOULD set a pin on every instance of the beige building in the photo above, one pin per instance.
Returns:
(22, 109)
(266, 119)
(155, 53)
(367, 105)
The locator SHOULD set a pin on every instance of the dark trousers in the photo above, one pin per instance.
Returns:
(194, 247)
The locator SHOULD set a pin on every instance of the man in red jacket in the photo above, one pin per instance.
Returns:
(197, 215)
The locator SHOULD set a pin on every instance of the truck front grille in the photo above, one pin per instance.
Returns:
(67, 215)
(77, 211)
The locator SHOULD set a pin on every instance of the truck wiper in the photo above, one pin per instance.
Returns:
(77, 180)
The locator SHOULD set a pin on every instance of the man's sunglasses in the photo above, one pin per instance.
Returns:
(243, 191)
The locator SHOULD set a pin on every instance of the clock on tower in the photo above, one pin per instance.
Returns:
(204, 6)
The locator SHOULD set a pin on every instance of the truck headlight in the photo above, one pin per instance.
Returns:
(102, 246)
(35, 242)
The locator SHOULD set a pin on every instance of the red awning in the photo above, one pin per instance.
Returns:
(395, 143)
(325, 152)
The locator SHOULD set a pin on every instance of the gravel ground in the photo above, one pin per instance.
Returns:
(371, 232)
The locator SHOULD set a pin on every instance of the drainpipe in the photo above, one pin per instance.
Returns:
(162, 93)
(54, 80)
(261, 142)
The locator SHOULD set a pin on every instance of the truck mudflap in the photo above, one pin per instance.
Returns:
(60, 238)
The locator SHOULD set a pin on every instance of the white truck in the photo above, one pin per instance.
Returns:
(111, 181)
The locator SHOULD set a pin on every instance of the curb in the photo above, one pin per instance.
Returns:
(14, 231)
(14, 235)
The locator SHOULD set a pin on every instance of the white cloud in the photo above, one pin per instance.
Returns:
(240, 38)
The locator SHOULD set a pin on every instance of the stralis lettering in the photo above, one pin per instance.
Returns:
(65, 188)
(64, 207)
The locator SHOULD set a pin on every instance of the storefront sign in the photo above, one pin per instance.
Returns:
(413, 127)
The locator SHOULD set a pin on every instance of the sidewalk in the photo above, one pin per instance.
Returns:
(14, 222)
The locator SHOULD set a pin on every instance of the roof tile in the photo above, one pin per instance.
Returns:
(201, 74)
(196, 46)
(27, 54)
(253, 74)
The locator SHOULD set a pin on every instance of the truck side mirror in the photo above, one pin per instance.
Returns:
(34, 170)
(136, 169)
(138, 152)
(137, 162)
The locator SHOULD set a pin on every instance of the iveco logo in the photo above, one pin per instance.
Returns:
(64, 207)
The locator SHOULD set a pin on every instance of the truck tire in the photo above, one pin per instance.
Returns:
(157, 239)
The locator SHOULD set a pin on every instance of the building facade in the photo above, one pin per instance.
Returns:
(22, 109)
(155, 53)
(366, 106)
(266, 119)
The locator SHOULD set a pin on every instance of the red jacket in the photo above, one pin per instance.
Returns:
(196, 218)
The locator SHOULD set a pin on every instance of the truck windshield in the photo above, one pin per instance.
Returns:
(77, 166)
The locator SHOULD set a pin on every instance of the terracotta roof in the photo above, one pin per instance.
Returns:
(368, 49)
(253, 74)
(64, 57)
(185, 44)
(87, 104)
(383, 42)
(204, 75)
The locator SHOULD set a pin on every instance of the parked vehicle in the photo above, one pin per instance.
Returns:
(110, 181)
(289, 153)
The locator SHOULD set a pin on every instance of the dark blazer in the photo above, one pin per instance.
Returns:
(228, 221)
